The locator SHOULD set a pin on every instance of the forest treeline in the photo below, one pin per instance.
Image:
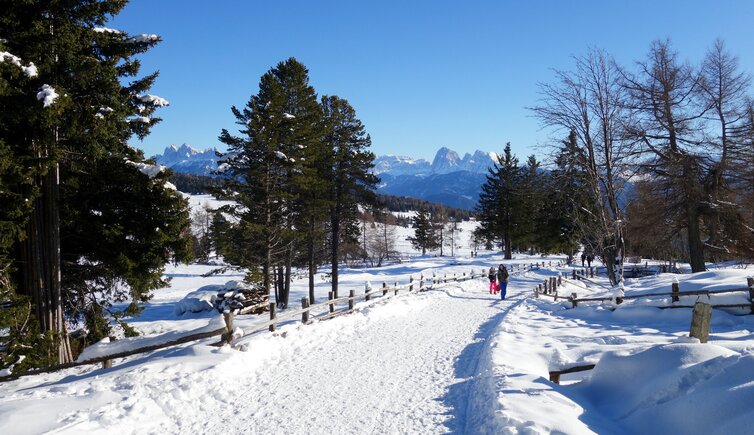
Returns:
(658, 160)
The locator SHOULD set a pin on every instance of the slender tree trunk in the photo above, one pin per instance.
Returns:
(40, 265)
(287, 282)
(335, 234)
(312, 267)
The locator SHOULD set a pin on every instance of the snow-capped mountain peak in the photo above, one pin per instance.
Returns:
(187, 159)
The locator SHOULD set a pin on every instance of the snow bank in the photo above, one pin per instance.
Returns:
(675, 388)
(199, 300)
(105, 347)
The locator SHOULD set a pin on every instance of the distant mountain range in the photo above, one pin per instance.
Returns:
(186, 159)
(448, 179)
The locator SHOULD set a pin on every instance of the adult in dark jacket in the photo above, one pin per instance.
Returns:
(502, 279)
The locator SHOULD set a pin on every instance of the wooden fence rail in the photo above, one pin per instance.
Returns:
(550, 289)
(228, 333)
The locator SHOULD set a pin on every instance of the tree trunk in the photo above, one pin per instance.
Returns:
(312, 267)
(40, 262)
(335, 233)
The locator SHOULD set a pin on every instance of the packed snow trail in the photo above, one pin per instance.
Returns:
(406, 365)
(405, 369)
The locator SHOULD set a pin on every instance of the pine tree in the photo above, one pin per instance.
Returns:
(495, 206)
(351, 182)
(268, 173)
(66, 118)
(425, 237)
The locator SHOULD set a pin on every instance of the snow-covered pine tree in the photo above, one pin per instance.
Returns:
(68, 117)
(349, 177)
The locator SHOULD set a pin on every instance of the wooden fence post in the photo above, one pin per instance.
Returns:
(227, 337)
(367, 296)
(573, 300)
(351, 294)
(421, 282)
(305, 314)
(396, 288)
(750, 282)
(675, 288)
(272, 315)
(700, 321)
(384, 289)
(107, 364)
(536, 292)
(556, 295)
(411, 284)
(330, 297)
(539, 288)
(574, 274)
(560, 280)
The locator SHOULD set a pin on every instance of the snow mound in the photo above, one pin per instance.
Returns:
(657, 390)
(199, 300)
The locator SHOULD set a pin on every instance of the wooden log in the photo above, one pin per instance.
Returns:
(272, 316)
(305, 313)
(351, 295)
(700, 321)
(675, 290)
(330, 302)
(750, 283)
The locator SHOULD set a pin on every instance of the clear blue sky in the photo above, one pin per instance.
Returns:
(421, 74)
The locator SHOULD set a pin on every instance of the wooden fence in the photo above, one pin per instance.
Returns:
(307, 312)
(549, 288)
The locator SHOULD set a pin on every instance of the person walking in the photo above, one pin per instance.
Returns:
(589, 259)
(583, 257)
(502, 278)
(493, 282)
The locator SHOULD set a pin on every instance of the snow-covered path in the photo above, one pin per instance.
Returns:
(405, 368)
(406, 365)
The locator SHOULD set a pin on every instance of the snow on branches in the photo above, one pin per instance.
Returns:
(29, 70)
(47, 95)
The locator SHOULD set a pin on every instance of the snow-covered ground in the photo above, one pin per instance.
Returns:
(450, 360)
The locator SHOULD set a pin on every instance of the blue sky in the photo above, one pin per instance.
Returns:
(420, 74)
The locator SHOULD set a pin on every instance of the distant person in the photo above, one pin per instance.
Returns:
(493, 281)
(502, 280)
(589, 259)
(583, 257)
